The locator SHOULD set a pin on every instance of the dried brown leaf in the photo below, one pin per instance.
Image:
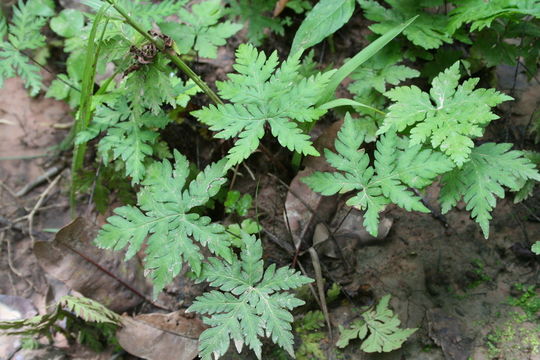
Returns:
(97, 274)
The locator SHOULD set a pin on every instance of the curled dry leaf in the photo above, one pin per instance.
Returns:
(98, 274)
(156, 336)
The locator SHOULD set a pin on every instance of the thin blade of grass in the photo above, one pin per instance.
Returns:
(359, 59)
(85, 108)
(348, 102)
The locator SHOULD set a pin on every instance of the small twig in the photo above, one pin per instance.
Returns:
(23, 157)
(38, 205)
(14, 270)
(434, 212)
(122, 282)
(8, 189)
(311, 288)
(320, 287)
(55, 170)
(285, 246)
(249, 171)
(235, 173)
(11, 225)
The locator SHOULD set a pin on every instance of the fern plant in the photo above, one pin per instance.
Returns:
(378, 328)
(164, 219)
(20, 37)
(257, 16)
(449, 117)
(476, 174)
(397, 166)
(201, 30)
(262, 95)
(249, 304)
(77, 318)
(481, 180)
(429, 31)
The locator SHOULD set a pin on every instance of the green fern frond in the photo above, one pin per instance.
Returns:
(201, 30)
(378, 328)
(480, 14)
(23, 34)
(153, 86)
(89, 310)
(27, 20)
(163, 219)
(449, 116)
(480, 181)
(249, 304)
(84, 308)
(428, 30)
(396, 168)
(264, 96)
(377, 72)
(129, 135)
(258, 16)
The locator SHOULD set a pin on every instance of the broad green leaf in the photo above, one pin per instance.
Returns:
(68, 23)
(323, 20)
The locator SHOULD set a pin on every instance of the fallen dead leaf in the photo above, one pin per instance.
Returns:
(305, 208)
(98, 274)
(157, 336)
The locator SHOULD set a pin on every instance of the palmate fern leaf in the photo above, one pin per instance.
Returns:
(200, 29)
(448, 117)
(23, 34)
(249, 304)
(264, 96)
(428, 30)
(163, 219)
(395, 169)
(481, 180)
(378, 328)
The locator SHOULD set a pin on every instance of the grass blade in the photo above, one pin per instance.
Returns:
(348, 102)
(360, 58)
(85, 107)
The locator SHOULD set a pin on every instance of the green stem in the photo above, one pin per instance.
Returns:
(173, 57)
